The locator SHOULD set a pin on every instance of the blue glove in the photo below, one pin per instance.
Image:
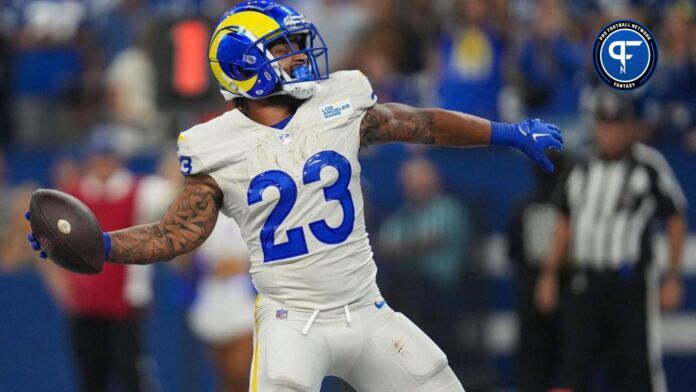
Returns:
(532, 137)
(36, 246)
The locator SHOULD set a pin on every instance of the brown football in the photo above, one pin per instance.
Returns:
(67, 231)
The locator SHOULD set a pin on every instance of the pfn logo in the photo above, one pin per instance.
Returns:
(621, 55)
(625, 54)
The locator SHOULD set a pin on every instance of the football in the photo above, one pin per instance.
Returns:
(67, 231)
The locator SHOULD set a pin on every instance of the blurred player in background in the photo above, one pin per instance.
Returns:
(106, 311)
(284, 164)
(529, 237)
(222, 315)
(610, 206)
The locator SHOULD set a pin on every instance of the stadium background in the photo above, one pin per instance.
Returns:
(137, 68)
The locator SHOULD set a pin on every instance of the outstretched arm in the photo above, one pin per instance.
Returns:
(187, 223)
(393, 122)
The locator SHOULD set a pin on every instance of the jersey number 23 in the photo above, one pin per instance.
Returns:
(296, 244)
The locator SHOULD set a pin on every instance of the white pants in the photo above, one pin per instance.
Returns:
(371, 348)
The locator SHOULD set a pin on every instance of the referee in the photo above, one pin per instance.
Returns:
(611, 204)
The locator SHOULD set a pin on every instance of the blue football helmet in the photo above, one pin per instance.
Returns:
(240, 59)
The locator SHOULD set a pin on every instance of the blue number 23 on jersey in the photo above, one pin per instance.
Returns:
(296, 244)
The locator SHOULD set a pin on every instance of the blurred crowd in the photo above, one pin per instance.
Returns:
(73, 69)
(68, 66)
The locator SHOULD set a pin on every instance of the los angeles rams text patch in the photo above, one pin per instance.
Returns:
(336, 110)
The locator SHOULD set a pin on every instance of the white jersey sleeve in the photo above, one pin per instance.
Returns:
(357, 86)
(210, 148)
(205, 148)
(189, 160)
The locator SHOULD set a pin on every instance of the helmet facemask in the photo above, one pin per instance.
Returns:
(301, 81)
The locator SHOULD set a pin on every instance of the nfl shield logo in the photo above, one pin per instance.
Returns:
(284, 138)
(281, 314)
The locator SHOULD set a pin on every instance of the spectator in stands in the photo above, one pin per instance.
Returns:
(470, 64)
(5, 82)
(342, 34)
(119, 25)
(671, 96)
(377, 59)
(551, 63)
(56, 73)
(416, 27)
(427, 240)
(131, 103)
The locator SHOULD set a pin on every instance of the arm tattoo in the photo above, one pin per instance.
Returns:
(396, 123)
(187, 223)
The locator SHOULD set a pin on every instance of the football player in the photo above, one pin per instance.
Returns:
(284, 164)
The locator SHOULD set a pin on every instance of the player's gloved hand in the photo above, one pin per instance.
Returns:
(37, 247)
(533, 137)
(33, 242)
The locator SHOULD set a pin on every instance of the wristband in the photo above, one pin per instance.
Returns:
(503, 134)
(107, 245)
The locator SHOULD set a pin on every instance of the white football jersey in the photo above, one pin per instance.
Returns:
(296, 194)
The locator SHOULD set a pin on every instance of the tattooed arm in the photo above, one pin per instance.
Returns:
(393, 122)
(186, 224)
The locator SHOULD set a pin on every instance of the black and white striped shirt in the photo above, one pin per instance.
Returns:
(614, 205)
